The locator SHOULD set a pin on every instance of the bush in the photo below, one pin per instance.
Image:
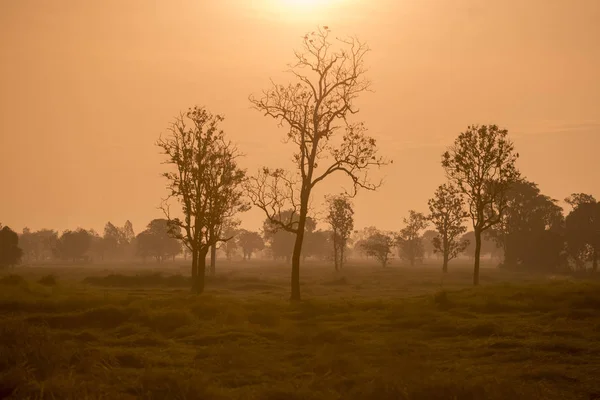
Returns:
(48, 280)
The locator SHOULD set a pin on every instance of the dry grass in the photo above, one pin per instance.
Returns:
(365, 333)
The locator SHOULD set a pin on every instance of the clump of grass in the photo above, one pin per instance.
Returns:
(441, 300)
(48, 280)
(13, 280)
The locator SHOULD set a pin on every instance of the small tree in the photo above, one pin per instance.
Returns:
(409, 242)
(447, 215)
(328, 80)
(340, 217)
(481, 164)
(206, 181)
(379, 246)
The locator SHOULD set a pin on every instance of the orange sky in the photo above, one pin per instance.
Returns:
(86, 88)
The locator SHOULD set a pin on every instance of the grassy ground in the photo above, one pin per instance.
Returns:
(366, 333)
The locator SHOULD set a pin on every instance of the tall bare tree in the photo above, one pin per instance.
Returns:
(447, 214)
(340, 217)
(328, 77)
(481, 164)
(206, 181)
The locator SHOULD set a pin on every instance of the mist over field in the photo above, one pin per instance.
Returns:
(299, 199)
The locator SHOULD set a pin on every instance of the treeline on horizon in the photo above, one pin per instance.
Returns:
(483, 186)
(536, 235)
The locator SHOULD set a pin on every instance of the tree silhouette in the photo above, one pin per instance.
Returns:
(583, 233)
(39, 245)
(74, 245)
(481, 164)
(340, 217)
(10, 253)
(158, 240)
(328, 79)
(408, 241)
(250, 242)
(530, 231)
(205, 180)
(447, 215)
(379, 245)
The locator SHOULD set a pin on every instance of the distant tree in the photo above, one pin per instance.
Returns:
(583, 233)
(428, 238)
(157, 241)
(206, 182)
(530, 231)
(74, 245)
(447, 215)
(408, 241)
(250, 242)
(231, 246)
(10, 253)
(317, 244)
(379, 246)
(38, 246)
(488, 246)
(281, 242)
(481, 164)
(340, 217)
(328, 80)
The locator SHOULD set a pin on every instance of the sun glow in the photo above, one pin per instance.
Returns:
(305, 7)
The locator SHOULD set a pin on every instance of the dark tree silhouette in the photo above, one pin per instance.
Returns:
(379, 246)
(157, 240)
(74, 245)
(447, 215)
(250, 242)
(530, 231)
(205, 180)
(315, 108)
(408, 241)
(10, 252)
(583, 232)
(481, 164)
(340, 217)
(577, 199)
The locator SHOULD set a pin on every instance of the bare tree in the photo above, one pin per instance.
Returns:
(340, 217)
(481, 164)
(329, 76)
(206, 181)
(447, 215)
(409, 242)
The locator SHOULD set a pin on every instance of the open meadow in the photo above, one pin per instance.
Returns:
(367, 332)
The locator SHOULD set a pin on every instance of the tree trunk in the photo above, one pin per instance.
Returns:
(201, 272)
(446, 254)
(296, 256)
(335, 253)
(445, 266)
(213, 259)
(477, 256)
(194, 269)
(342, 247)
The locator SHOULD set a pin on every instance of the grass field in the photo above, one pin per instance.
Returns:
(364, 333)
